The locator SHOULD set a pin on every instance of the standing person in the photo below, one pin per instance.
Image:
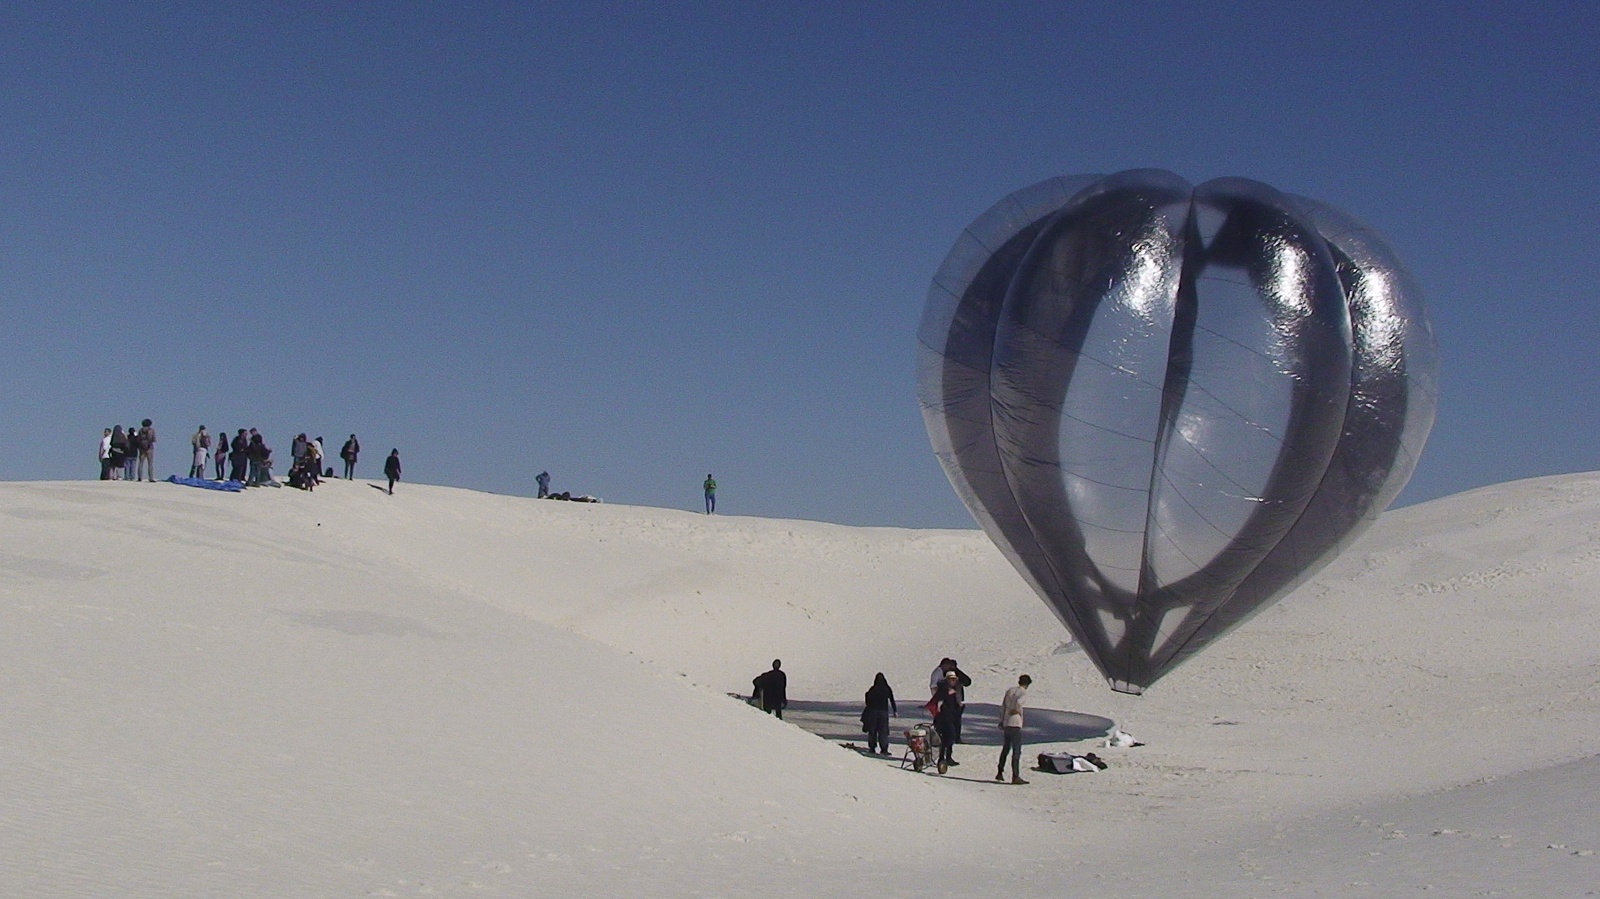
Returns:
(348, 453)
(105, 455)
(201, 442)
(1011, 728)
(147, 452)
(119, 452)
(239, 456)
(391, 469)
(875, 717)
(937, 678)
(252, 456)
(772, 688)
(947, 718)
(543, 480)
(260, 456)
(130, 459)
(314, 450)
(711, 494)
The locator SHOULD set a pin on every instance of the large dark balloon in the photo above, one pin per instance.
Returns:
(1169, 405)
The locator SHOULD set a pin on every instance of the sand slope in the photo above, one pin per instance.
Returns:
(451, 693)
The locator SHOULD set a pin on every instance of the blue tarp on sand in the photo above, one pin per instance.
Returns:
(229, 486)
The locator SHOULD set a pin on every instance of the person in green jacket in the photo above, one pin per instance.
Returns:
(711, 494)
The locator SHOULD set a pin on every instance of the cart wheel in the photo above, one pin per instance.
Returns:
(943, 767)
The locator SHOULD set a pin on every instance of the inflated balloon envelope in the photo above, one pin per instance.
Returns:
(1169, 405)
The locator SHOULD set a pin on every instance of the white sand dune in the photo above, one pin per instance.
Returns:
(446, 692)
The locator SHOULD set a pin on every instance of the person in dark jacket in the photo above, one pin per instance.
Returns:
(947, 718)
(391, 469)
(772, 689)
(260, 457)
(119, 452)
(947, 666)
(349, 452)
(875, 717)
(239, 455)
(130, 472)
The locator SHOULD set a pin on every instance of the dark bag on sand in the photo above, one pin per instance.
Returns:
(1067, 763)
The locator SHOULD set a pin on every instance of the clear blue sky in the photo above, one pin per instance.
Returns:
(634, 243)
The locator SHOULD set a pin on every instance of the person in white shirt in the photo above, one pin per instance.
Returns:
(1011, 727)
(105, 455)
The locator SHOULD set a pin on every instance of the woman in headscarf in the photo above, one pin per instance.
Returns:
(875, 717)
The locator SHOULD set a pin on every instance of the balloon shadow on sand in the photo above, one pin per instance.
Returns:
(979, 724)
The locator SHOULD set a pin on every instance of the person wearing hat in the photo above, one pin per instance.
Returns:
(1011, 728)
(947, 666)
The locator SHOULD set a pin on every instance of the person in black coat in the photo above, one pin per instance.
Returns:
(349, 452)
(119, 452)
(239, 455)
(875, 717)
(259, 456)
(947, 718)
(771, 688)
(391, 468)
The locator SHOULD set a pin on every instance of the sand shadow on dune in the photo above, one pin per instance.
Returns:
(979, 726)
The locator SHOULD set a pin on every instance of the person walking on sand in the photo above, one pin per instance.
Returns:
(772, 688)
(349, 452)
(391, 469)
(711, 494)
(1011, 730)
(875, 717)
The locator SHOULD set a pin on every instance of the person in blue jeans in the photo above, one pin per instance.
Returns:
(1011, 730)
(711, 494)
